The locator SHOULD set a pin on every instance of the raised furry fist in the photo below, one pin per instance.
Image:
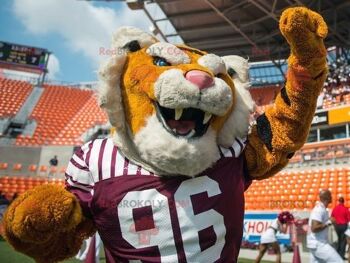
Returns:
(304, 30)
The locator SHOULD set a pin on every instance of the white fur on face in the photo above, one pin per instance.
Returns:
(176, 156)
(237, 124)
(127, 33)
(173, 91)
(160, 150)
(213, 62)
(169, 52)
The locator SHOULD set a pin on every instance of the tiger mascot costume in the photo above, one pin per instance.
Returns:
(169, 186)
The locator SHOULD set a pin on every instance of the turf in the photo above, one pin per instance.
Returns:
(8, 255)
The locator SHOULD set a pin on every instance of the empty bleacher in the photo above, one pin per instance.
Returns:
(10, 185)
(62, 115)
(88, 116)
(297, 190)
(13, 94)
(322, 154)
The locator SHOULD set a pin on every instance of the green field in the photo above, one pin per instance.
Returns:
(8, 255)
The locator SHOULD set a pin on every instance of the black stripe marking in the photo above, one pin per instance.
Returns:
(290, 155)
(132, 46)
(231, 72)
(284, 96)
(240, 145)
(221, 154)
(264, 130)
(232, 151)
(319, 75)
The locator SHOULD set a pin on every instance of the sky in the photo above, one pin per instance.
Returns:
(73, 30)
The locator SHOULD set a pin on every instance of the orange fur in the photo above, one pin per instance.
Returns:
(138, 86)
(47, 224)
(290, 124)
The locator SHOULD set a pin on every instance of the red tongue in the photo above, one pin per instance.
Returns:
(181, 127)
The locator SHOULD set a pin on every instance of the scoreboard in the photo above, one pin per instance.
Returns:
(15, 55)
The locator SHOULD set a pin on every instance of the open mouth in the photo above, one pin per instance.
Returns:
(187, 123)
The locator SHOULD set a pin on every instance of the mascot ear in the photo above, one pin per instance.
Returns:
(131, 39)
(124, 40)
(237, 123)
(237, 67)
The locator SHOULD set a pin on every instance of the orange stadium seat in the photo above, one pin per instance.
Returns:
(63, 114)
(17, 167)
(43, 168)
(32, 168)
(3, 166)
(297, 190)
(13, 93)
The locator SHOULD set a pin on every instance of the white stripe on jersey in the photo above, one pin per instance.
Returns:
(77, 185)
(236, 147)
(144, 172)
(93, 160)
(79, 175)
(226, 152)
(78, 160)
(107, 160)
(85, 149)
(132, 168)
(119, 164)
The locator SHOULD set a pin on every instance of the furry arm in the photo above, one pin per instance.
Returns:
(46, 223)
(284, 127)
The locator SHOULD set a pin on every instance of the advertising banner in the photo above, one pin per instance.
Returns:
(255, 224)
(339, 115)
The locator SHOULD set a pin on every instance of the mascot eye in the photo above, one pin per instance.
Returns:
(231, 72)
(161, 62)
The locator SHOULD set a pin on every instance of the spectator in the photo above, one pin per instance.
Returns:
(54, 161)
(268, 238)
(341, 215)
(53, 164)
(317, 238)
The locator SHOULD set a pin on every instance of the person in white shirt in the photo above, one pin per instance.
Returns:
(317, 238)
(268, 238)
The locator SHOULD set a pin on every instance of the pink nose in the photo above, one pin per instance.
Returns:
(200, 78)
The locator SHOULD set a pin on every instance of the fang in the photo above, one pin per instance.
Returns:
(178, 114)
(207, 117)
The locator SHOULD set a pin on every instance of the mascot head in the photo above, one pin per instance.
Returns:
(173, 105)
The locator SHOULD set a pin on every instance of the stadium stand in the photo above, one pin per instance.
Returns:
(13, 93)
(336, 91)
(88, 116)
(10, 185)
(322, 153)
(62, 115)
(297, 190)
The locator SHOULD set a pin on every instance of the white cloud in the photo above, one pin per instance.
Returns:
(84, 27)
(53, 67)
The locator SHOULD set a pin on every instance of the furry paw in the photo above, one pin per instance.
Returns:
(40, 214)
(304, 31)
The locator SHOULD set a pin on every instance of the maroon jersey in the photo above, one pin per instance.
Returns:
(142, 217)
